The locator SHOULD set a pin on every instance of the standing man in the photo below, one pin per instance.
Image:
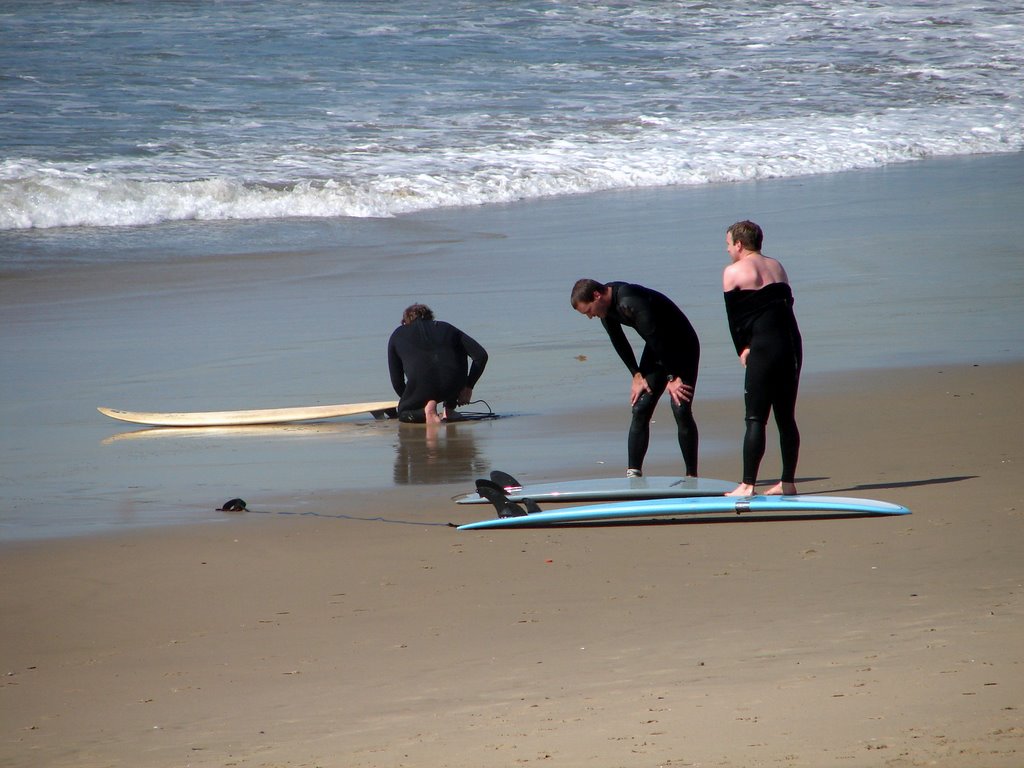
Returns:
(428, 361)
(759, 306)
(669, 360)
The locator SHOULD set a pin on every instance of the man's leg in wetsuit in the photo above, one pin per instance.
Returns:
(753, 449)
(640, 426)
(784, 407)
(771, 388)
(757, 398)
(686, 427)
(412, 416)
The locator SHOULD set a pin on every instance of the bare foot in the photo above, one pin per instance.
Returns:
(782, 489)
(430, 412)
(742, 490)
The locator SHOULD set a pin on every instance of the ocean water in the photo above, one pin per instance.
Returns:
(132, 114)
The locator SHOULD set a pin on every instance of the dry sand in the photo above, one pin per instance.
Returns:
(334, 638)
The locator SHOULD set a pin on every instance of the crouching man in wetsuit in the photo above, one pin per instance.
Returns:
(669, 359)
(427, 360)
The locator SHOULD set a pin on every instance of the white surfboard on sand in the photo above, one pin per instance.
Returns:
(380, 409)
(603, 489)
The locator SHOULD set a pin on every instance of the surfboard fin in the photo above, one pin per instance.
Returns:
(531, 506)
(505, 480)
(496, 495)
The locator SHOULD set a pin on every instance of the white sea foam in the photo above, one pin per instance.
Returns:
(375, 112)
(381, 183)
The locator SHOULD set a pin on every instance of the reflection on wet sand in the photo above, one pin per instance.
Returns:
(351, 430)
(436, 453)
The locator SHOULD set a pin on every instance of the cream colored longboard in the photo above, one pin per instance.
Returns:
(242, 418)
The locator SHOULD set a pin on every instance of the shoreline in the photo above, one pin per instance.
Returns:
(435, 465)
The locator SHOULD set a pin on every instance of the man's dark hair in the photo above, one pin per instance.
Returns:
(584, 289)
(416, 312)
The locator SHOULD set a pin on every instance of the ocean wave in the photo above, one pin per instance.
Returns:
(307, 182)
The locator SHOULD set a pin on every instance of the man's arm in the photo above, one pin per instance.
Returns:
(396, 369)
(621, 343)
(622, 346)
(475, 351)
(740, 338)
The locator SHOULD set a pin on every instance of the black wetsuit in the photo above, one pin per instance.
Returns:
(427, 360)
(763, 320)
(671, 348)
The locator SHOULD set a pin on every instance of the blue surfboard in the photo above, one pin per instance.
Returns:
(648, 509)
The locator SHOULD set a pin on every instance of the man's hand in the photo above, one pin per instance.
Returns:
(638, 388)
(680, 391)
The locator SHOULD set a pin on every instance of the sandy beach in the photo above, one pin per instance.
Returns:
(362, 630)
